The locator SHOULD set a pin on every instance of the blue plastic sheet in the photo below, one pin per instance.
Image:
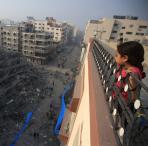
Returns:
(18, 135)
(62, 111)
(60, 117)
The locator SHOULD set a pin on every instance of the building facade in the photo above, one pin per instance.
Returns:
(35, 39)
(11, 38)
(36, 46)
(120, 28)
(61, 31)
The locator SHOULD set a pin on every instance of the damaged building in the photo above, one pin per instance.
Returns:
(11, 38)
(36, 46)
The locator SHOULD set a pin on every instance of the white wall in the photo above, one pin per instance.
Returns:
(81, 128)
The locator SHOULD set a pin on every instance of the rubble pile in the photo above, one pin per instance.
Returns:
(34, 88)
(22, 86)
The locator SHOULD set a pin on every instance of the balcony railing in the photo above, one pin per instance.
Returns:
(124, 117)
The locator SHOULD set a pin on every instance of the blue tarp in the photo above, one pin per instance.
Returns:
(62, 111)
(59, 120)
(18, 135)
(60, 117)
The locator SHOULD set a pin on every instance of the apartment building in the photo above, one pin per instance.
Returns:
(35, 39)
(61, 31)
(36, 46)
(119, 28)
(11, 37)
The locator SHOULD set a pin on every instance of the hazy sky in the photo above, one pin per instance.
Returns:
(77, 12)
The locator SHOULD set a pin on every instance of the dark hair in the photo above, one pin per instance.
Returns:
(134, 51)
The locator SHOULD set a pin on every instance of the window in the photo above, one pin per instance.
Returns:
(112, 38)
(142, 26)
(128, 32)
(25, 35)
(139, 33)
(115, 24)
(114, 31)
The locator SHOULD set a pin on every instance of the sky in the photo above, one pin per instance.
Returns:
(77, 12)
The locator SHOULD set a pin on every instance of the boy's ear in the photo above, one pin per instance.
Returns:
(125, 58)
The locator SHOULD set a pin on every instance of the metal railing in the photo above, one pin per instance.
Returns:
(123, 114)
